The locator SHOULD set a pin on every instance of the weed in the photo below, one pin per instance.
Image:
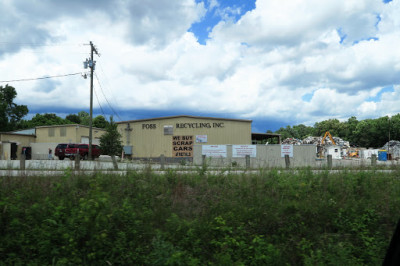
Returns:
(270, 218)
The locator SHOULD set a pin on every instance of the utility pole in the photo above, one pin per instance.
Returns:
(91, 64)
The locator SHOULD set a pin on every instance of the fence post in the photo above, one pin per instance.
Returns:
(287, 161)
(162, 161)
(373, 160)
(329, 158)
(22, 162)
(77, 162)
(247, 161)
(203, 160)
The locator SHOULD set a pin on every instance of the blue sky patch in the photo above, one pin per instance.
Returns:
(366, 39)
(378, 96)
(341, 34)
(378, 19)
(223, 10)
(307, 97)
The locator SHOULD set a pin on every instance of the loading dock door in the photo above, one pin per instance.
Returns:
(14, 148)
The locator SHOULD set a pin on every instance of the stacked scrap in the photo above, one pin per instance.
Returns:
(340, 142)
(292, 141)
(312, 140)
(393, 147)
(317, 141)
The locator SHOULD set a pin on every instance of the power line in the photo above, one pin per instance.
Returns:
(99, 103)
(108, 86)
(45, 77)
(98, 81)
(38, 44)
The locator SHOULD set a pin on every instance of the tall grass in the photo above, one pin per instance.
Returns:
(270, 218)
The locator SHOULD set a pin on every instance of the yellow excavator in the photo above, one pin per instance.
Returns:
(321, 147)
(330, 137)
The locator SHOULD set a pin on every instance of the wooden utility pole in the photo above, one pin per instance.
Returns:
(92, 65)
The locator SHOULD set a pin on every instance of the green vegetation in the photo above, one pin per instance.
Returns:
(52, 119)
(141, 218)
(10, 112)
(11, 115)
(365, 133)
(110, 142)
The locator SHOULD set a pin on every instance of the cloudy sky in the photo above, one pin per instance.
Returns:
(276, 62)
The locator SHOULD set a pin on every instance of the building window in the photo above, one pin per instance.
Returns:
(63, 131)
(51, 132)
(168, 130)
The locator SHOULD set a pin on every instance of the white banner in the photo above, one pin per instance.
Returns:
(286, 149)
(243, 150)
(214, 150)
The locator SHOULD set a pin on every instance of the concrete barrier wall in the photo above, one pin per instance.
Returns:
(266, 156)
(269, 156)
(83, 165)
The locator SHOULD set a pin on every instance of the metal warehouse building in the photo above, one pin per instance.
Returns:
(175, 136)
(42, 138)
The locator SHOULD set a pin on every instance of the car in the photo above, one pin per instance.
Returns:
(60, 149)
(83, 151)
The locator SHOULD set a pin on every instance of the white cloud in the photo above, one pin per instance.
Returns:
(259, 66)
(157, 23)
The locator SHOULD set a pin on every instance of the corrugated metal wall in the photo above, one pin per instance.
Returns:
(148, 139)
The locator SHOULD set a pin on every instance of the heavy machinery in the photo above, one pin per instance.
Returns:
(353, 154)
(330, 137)
(321, 146)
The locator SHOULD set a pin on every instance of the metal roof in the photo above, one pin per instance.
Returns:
(29, 131)
(184, 116)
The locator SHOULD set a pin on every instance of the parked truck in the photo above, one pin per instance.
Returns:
(82, 150)
(60, 149)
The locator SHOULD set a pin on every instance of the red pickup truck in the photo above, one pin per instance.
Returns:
(83, 151)
(60, 149)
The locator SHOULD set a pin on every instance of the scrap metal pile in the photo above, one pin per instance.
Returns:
(316, 141)
(393, 147)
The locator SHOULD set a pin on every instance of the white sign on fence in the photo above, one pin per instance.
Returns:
(214, 150)
(286, 149)
(243, 150)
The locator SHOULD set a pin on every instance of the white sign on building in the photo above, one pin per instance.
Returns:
(243, 150)
(214, 150)
(286, 149)
(201, 138)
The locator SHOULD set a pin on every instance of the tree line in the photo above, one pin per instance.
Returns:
(372, 133)
(11, 115)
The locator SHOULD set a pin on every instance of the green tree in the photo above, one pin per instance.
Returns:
(394, 124)
(349, 129)
(372, 132)
(84, 118)
(334, 126)
(110, 142)
(298, 131)
(285, 132)
(303, 131)
(100, 122)
(73, 118)
(46, 119)
(10, 113)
